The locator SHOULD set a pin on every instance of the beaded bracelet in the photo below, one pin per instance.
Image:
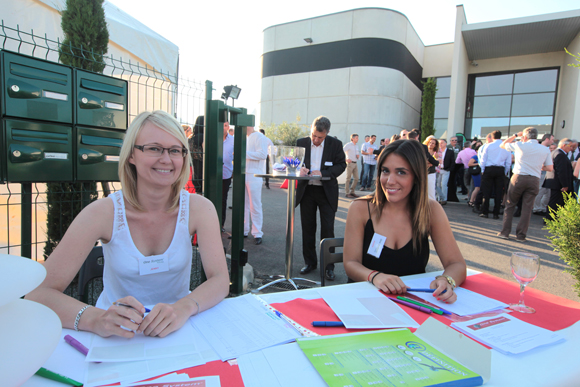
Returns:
(369, 276)
(79, 314)
(373, 279)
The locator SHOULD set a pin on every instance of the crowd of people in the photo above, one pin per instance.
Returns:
(522, 177)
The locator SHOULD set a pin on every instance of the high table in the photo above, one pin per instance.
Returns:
(289, 226)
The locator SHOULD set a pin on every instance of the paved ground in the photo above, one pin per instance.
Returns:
(475, 237)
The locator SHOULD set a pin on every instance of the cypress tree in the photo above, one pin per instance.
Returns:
(86, 40)
(428, 109)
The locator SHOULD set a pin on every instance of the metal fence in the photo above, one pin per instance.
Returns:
(23, 218)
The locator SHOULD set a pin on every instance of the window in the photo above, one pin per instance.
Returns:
(510, 102)
(442, 106)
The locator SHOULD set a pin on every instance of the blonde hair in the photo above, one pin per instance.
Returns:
(128, 172)
(428, 139)
(414, 153)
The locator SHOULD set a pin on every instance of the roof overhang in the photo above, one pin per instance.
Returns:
(521, 36)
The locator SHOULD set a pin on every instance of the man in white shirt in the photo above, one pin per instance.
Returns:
(352, 156)
(531, 158)
(495, 166)
(370, 163)
(256, 152)
(362, 161)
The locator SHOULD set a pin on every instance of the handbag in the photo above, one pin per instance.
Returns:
(474, 170)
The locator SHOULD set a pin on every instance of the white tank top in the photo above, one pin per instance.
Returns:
(121, 276)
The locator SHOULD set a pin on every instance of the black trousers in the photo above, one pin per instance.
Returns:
(225, 189)
(556, 199)
(493, 178)
(315, 199)
(198, 175)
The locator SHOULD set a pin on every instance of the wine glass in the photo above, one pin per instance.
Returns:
(525, 268)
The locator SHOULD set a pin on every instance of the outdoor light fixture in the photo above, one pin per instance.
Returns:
(308, 40)
(231, 91)
(474, 63)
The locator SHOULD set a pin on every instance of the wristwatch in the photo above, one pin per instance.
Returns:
(449, 279)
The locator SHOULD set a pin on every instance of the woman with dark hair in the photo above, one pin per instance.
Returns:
(196, 147)
(400, 217)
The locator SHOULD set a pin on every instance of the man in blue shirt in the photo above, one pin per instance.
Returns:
(370, 163)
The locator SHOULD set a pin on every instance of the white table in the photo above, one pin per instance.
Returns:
(556, 365)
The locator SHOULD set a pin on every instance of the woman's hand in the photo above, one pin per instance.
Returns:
(109, 322)
(440, 284)
(166, 318)
(390, 284)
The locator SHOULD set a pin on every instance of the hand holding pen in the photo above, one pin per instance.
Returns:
(118, 320)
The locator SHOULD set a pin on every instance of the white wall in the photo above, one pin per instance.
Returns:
(438, 60)
(363, 100)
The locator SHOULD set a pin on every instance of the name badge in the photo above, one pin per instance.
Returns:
(328, 163)
(377, 244)
(153, 264)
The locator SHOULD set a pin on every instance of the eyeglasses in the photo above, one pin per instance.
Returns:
(157, 151)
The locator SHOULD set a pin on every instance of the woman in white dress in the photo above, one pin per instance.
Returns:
(145, 230)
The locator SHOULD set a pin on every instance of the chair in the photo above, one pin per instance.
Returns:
(91, 269)
(327, 254)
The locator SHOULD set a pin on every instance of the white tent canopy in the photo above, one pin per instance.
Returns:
(129, 39)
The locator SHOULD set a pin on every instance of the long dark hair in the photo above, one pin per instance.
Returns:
(414, 153)
(198, 131)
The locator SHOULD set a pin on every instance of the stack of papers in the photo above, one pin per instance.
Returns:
(366, 309)
(237, 326)
(507, 334)
(468, 303)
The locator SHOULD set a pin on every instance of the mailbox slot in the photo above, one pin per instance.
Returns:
(37, 152)
(100, 100)
(36, 89)
(97, 154)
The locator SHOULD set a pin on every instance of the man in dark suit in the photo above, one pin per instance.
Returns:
(324, 157)
(560, 179)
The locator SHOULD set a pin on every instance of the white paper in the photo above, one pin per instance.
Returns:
(241, 325)
(507, 334)
(141, 347)
(365, 309)
(130, 371)
(280, 366)
(468, 302)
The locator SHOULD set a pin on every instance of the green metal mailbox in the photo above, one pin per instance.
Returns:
(100, 100)
(37, 152)
(97, 154)
(36, 89)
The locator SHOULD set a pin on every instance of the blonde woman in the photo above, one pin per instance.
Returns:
(145, 230)
(400, 214)
(433, 147)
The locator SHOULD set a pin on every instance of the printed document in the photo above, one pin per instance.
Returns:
(507, 334)
(366, 309)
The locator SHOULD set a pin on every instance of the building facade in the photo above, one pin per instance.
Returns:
(363, 69)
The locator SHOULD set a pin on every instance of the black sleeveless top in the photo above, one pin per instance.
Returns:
(398, 262)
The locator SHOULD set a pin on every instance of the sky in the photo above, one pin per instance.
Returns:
(222, 41)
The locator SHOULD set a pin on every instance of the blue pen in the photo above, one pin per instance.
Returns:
(147, 310)
(327, 324)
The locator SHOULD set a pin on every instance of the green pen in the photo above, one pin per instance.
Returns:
(435, 310)
(54, 376)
